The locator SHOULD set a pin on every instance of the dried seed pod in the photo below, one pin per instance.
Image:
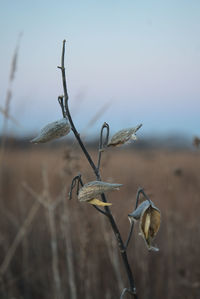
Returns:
(92, 189)
(123, 136)
(52, 131)
(149, 218)
(135, 215)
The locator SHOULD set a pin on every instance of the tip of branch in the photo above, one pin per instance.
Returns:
(64, 41)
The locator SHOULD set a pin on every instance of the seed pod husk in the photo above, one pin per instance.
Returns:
(52, 131)
(92, 189)
(123, 136)
(97, 202)
(135, 215)
(149, 217)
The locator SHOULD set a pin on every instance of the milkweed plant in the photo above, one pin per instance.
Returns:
(95, 192)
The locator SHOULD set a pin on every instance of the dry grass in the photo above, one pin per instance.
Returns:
(65, 249)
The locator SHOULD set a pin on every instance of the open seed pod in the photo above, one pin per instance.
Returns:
(123, 136)
(91, 190)
(149, 218)
(52, 131)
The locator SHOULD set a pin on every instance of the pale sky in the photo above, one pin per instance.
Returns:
(141, 57)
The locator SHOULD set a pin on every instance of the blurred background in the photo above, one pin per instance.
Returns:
(127, 62)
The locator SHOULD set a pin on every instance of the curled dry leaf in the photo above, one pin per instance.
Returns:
(91, 190)
(123, 136)
(98, 202)
(149, 218)
(52, 131)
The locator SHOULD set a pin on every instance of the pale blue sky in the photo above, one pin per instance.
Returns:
(143, 57)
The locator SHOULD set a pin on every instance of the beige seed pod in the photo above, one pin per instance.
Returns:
(91, 190)
(123, 136)
(149, 217)
(52, 131)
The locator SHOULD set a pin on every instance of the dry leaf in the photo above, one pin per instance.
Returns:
(92, 189)
(98, 202)
(123, 136)
(52, 131)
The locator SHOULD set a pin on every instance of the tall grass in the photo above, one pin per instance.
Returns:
(87, 270)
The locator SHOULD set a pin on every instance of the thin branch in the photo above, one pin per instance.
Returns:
(77, 179)
(64, 76)
(60, 101)
(101, 211)
(140, 191)
(102, 145)
(77, 135)
(130, 234)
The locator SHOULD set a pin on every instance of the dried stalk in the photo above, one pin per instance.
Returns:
(54, 245)
(6, 110)
(96, 171)
(55, 260)
(19, 237)
(50, 206)
(65, 226)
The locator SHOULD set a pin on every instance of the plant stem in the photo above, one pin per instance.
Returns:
(120, 243)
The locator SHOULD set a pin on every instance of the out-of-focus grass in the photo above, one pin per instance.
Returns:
(172, 181)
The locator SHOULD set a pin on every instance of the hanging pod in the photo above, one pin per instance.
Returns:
(52, 131)
(149, 217)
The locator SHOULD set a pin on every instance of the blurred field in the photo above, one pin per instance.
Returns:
(67, 250)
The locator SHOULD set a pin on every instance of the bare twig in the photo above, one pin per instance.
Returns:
(77, 135)
(140, 191)
(102, 145)
(129, 235)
